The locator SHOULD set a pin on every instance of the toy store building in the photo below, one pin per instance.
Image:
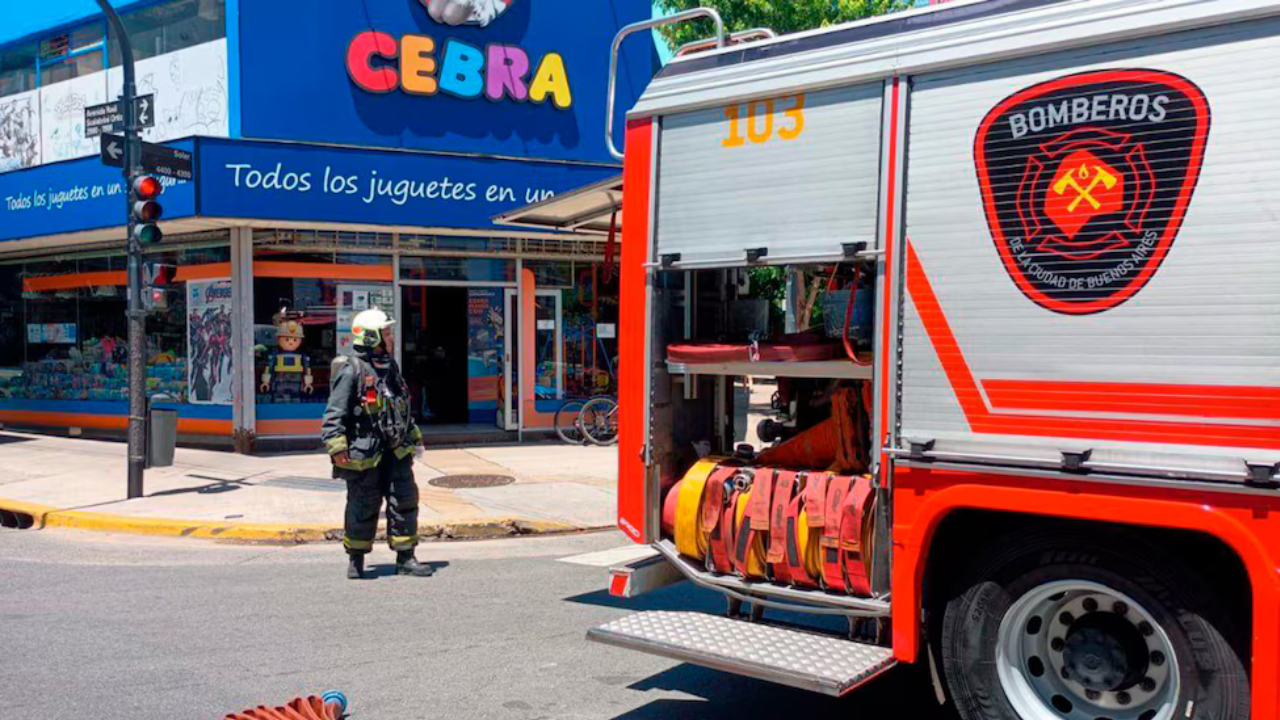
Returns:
(346, 156)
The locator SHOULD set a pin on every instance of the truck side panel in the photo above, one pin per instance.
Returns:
(633, 402)
(1249, 524)
(1091, 256)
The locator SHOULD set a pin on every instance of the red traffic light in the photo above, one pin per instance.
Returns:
(146, 187)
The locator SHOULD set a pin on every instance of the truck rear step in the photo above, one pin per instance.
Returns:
(807, 660)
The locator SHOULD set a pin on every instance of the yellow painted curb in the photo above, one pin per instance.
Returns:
(244, 532)
(476, 528)
(35, 510)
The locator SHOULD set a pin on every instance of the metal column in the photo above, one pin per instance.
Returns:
(244, 383)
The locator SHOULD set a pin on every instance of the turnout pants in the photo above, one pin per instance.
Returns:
(391, 479)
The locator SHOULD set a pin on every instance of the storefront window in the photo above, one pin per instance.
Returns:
(303, 306)
(63, 326)
(551, 273)
(459, 244)
(458, 269)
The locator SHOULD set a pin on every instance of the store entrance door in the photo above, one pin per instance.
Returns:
(433, 334)
(548, 353)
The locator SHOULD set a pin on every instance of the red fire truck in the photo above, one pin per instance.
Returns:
(1026, 424)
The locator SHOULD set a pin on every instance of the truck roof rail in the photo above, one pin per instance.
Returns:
(611, 97)
(742, 36)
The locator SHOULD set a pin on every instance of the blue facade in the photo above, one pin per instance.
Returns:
(77, 195)
(295, 82)
(478, 146)
(268, 180)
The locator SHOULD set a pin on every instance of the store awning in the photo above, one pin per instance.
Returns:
(589, 210)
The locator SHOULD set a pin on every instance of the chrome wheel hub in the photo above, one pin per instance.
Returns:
(1078, 650)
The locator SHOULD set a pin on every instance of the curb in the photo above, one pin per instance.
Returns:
(27, 515)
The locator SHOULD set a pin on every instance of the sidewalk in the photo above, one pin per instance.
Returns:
(291, 497)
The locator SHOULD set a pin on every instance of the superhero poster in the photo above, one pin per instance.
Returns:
(1085, 180)
(209, 341)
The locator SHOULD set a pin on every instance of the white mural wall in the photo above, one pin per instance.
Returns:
(62, 116)
(19, 131)
(47, 125)
(190, 88)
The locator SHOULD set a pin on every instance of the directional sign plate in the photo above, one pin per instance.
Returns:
(167, 161)
(112, 150)
(158, 159)
(109, 117)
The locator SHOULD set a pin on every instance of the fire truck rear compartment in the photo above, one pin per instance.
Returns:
(731, 388)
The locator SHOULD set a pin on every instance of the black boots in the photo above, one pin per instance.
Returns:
(355, 567)
(407, 564)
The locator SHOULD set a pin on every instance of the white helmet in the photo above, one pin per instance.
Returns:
(367, 327)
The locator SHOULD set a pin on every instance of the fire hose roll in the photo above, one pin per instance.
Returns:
(856, 525)
(748, 544)
(838, 491)
(690, 540)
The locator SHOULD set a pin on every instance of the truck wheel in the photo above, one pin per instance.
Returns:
(1044, 629)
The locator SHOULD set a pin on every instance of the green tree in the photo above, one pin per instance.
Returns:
(784, 16)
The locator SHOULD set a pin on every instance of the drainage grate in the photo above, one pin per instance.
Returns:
(293, 482)
(458, 482)
(15, 519)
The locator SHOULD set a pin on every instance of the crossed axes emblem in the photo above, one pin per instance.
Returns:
(1084, 194)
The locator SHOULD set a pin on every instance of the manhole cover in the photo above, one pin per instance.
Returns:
(457, 482)
(294, 482)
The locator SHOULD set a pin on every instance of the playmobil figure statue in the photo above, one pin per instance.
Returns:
(288, 372)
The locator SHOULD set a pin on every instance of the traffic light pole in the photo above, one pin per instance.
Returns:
(135, 313)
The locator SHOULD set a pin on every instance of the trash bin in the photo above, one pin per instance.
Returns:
(162, 434)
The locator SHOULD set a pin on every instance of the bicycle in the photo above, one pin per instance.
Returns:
(598, 420)
(568, 422)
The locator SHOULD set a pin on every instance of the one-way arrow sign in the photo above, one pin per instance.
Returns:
(158, 159)
(112, 150)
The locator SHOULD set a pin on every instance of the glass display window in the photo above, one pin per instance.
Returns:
(303, 305)
(63, 325)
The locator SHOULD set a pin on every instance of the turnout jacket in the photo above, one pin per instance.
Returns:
(368, 413)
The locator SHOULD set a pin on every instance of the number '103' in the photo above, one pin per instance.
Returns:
(760, 121)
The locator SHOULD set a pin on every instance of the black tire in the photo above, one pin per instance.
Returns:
(566, 421)
(599, 420)
(1212, 681)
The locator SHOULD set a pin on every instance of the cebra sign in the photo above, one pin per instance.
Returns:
(425, 65)
(520, 79)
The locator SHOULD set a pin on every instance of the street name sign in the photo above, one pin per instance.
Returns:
(109, 117)
(158, 159)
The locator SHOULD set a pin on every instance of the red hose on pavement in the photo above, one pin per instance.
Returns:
(331, 706)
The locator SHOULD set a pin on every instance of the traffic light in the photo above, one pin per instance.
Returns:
(145, 210)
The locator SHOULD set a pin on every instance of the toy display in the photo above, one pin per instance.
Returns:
(98, 370)
(287, 375)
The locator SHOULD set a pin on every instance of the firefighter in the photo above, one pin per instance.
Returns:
(372, 440)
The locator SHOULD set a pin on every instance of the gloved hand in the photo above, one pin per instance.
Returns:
(459, 12)
(340, 458)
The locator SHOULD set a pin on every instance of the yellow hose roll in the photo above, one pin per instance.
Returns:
(755, 553)
(810, 549)
(689, 539)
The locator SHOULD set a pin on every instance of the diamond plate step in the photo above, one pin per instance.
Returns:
(807, 660)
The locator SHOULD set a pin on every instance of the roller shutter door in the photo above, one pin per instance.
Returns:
(795, 175)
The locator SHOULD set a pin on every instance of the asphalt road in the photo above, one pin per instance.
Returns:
(141, 628)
